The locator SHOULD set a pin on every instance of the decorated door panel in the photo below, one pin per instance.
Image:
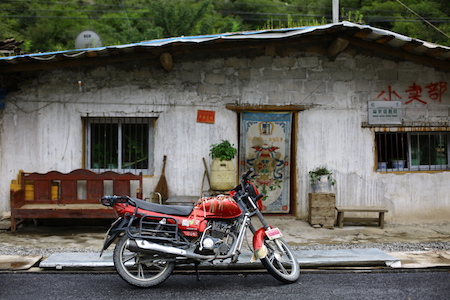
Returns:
(265, 145)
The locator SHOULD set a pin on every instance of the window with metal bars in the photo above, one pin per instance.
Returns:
(119, 144)
(412, 151)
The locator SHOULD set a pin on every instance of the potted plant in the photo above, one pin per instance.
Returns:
(223, 151)
(397, 163)
(321, 180)
(222, 175)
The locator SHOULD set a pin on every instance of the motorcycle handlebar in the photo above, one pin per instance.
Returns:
(246, 176)
(111, 200)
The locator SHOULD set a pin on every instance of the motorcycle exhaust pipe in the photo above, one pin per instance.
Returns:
(140, 245)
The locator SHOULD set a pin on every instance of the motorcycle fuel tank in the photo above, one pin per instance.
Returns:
(222, 206)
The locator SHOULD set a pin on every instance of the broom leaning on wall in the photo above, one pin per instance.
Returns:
(162, 187)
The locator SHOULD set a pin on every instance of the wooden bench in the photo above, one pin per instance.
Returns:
(72, 195)
(376, 209)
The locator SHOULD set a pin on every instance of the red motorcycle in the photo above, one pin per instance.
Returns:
(154, 237)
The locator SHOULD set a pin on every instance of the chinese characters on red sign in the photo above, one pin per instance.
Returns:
(415, 93)
(206, 116)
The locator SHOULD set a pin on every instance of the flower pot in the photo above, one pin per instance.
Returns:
(382, 166)
(398, 164)
(222, 175)
(322, 185)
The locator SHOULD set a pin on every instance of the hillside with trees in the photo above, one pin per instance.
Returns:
(52, 25)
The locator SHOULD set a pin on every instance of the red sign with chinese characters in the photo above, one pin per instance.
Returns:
(206, 116)
(415, 92)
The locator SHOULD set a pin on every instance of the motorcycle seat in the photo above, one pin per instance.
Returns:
(175, 210)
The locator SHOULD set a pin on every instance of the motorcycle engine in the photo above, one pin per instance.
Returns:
(217, 238)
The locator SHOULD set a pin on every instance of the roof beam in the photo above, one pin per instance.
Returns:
(251, 107)
(435, 63)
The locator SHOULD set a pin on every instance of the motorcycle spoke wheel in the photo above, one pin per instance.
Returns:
(280, 261)
(141, 269)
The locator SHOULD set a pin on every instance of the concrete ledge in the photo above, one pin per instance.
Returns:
(18, 262)
(316, 258)
(423, 259)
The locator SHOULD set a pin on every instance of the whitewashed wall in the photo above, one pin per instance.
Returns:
(41, 127)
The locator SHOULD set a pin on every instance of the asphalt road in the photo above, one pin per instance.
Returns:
(385, 285)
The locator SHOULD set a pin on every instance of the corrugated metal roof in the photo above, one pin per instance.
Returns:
(361, 32)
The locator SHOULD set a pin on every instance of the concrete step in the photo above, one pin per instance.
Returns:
(315, 258)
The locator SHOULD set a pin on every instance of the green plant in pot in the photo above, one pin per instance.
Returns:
(223, 151)
(223, 172)
(321, 180)
(397, 163)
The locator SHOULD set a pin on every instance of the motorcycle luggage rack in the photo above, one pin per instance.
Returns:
(157, 229)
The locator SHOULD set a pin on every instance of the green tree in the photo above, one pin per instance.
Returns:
(177, 18)
(256, 13)
(53, 24)
(393, 16)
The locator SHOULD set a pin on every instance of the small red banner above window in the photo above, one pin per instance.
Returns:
(206, 116)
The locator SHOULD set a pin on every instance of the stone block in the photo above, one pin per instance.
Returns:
(278, 98)
(387, 75)
(188, 65)
(142, 73)
(255, 97)
(318, 75)
(215, 64)
(361, 85)
(297, 97)
(344, 75)
(244, 74)
(414, 113)
(190, 76)
(283, 62)
(389, 64)
(293, 85)
(215, 78)
(299, 73)
(236, 63)
(350, 64)
(438, 112)
(308, 62)
(273, 74)
(209, 89)
(408, 76)
(342, 88)
(365, 62)
(262, 62)
(315, 86)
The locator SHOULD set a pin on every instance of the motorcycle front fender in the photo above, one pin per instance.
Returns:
(260, 250)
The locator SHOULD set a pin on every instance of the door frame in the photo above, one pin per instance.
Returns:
(294, 109)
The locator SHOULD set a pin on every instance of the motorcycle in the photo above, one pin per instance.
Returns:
(153, 238)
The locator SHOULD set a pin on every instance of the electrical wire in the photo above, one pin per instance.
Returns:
(423, 19)
(120, 7)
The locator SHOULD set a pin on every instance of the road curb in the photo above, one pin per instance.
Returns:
(314, 258)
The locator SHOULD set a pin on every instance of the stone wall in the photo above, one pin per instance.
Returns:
(41, 127)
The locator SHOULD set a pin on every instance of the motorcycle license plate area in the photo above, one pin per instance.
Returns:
(273, 233)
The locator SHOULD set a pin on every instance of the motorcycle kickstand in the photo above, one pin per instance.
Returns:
(196, 270)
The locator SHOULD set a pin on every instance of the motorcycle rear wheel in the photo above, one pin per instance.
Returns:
(280, 261)
(141, 269)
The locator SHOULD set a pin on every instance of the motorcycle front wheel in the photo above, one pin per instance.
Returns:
(280, 261)
(141, 269)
